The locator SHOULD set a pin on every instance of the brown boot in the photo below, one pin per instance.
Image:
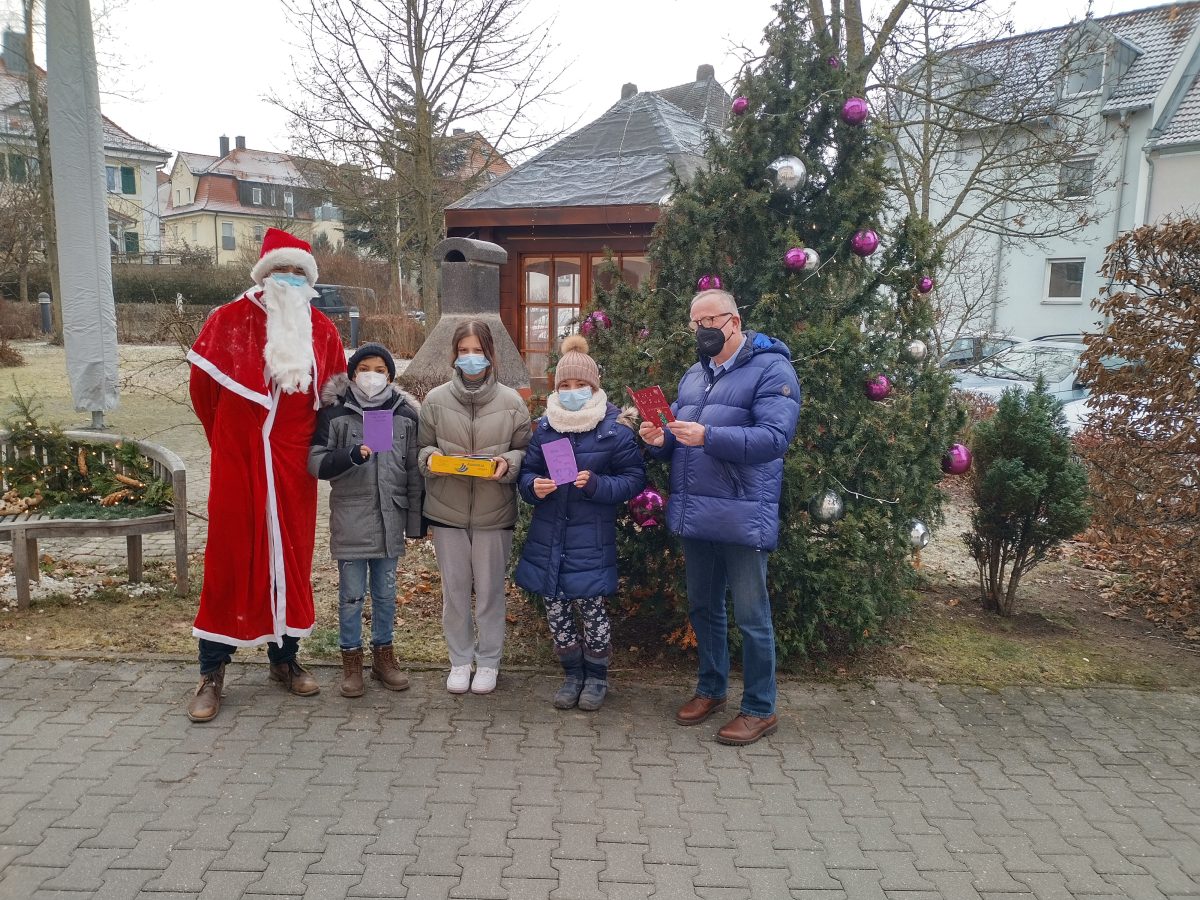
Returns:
(298, 679)
(206, 703)
(743, 729)
(698, 709)
(385, 669)
(352, 680)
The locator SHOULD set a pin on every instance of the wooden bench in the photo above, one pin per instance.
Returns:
(26, 529)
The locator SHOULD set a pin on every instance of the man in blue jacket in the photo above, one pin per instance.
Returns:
(735, 416)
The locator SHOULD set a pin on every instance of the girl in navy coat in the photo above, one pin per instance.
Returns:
(570, 552)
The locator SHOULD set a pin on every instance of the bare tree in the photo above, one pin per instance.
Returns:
(384, 82)
(21, 232)
(983, 145)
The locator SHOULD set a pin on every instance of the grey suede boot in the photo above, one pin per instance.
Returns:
(595, 682)
(572, 662)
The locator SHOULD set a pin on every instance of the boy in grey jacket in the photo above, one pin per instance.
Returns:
(374, 502)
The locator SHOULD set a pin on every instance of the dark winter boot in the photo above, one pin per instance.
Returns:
(572, 662)
(595, 681)
(352, 680)
(385, 668)
(206, 702)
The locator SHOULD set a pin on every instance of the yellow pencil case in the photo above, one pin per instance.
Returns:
(477, 466)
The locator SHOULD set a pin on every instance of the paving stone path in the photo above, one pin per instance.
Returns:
(891, 790)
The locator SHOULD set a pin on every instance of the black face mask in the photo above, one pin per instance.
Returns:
(709, 341)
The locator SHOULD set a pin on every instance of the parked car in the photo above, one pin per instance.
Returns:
(1019, 366)
(970, 349)
(336, 300)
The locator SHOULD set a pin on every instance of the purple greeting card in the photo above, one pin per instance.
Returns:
(377, 429)
(560, 461)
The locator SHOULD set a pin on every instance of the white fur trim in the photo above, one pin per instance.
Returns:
(565, 421)
(285, 256)
(226, 382)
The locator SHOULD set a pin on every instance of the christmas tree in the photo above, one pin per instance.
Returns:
(787, 215)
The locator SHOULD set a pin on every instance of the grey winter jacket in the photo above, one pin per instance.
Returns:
(492, 420)
(373, 503)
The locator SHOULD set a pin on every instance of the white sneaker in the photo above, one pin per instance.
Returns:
(459, 679)
(484, 681)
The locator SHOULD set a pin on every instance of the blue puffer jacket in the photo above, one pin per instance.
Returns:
(728, 489)
(571, 548)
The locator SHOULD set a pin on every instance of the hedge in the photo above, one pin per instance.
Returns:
(135, 283)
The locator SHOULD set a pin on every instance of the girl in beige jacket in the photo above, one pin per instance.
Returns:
(472, 518)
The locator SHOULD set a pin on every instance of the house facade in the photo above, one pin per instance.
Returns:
(595, 192)
(1135, 86)
(130, 165)
(224, 204)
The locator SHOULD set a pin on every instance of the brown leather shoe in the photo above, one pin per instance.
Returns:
(206, 703)
(352, 680)
(384, 668)
(744, 729)
(298, 679)
(697, 710)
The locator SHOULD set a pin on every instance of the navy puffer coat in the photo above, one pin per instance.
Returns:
(571, 548)
(727, 490)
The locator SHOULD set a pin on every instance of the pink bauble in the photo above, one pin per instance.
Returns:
(854, 111)
(956, 460)
(864, 242)
(643, 333)
(709, 283)
(601, 319)
(795, 259)
(587, 327)
(878, 387)
(647, 508)
(740, 105)
(924, 284)
(834, 62)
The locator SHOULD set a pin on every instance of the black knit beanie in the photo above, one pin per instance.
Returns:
(368, 350)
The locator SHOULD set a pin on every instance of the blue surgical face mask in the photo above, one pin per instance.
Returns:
(576, 399)
(289, 278)
(472, 363)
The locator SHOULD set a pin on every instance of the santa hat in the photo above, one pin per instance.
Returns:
(282, 249)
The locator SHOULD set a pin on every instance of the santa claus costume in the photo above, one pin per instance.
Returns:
(257, 370)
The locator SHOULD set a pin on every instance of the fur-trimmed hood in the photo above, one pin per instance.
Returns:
(337, 390)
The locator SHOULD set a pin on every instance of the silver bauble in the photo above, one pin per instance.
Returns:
(918, 534)
(788, 173)
(813, 262)
(826, 507)
(916, 350)
(665, 199)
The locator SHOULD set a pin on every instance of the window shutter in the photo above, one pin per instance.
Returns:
(131, 242)
(128, 181)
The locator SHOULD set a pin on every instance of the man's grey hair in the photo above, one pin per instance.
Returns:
(726, 298)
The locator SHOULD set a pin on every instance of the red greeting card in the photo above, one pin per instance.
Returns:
(652, 404)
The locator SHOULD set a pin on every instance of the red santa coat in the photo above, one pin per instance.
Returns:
(262, 503)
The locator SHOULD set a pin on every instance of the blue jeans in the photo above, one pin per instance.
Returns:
(352, 591)
(712, 568)
(214, 654)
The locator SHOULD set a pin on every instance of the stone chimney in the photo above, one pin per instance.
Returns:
(705, 72)
(470, 289)
(14, 52)
(240, 142)
(628, 90)
(224, 145)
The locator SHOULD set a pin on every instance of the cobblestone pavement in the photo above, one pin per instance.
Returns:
(884, 791)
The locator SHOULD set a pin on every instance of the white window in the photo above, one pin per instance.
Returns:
(1075, 178)
(256, 196)
(289, 204)
(227, 240)
(179, 198)
(112, 179)
(259, 231)
(1064, 280)
(189, 190)
(1085, 74)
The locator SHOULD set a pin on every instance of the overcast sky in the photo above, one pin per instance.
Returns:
(192, 72)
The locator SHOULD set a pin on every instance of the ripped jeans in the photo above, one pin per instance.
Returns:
(352, 591)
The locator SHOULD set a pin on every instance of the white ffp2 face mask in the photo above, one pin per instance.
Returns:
(371, 383)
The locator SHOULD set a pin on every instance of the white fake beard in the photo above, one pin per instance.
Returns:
(289, 350)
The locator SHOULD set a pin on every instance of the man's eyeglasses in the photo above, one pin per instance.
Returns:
(710, 321)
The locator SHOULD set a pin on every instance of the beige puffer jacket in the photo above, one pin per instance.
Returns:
(492, 420)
